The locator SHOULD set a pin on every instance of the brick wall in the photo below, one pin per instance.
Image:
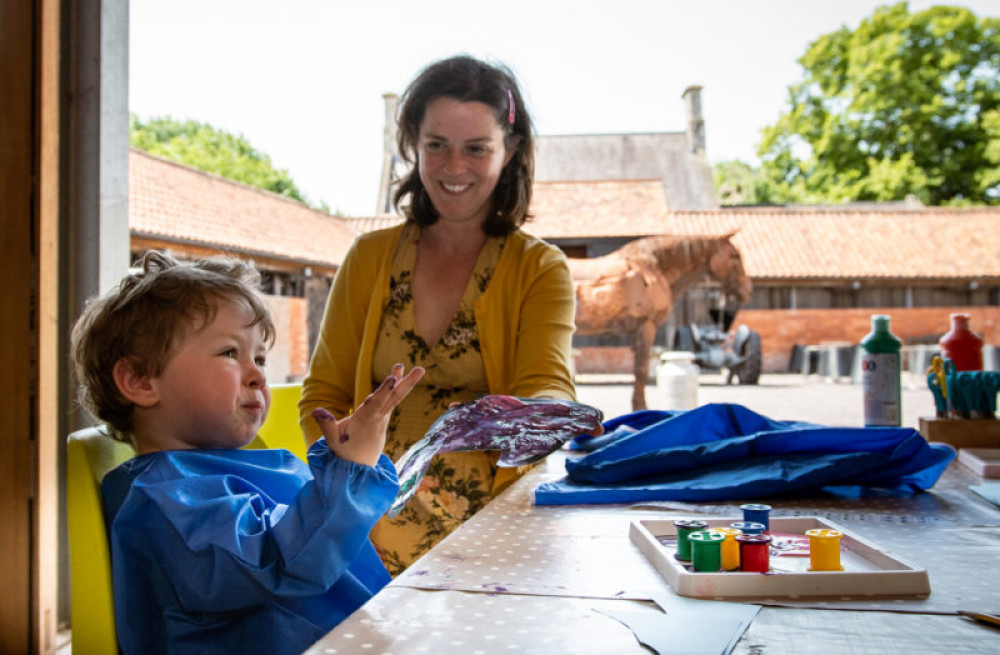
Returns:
(288, 361)
(298, 344)
(781, 329)
(602, 359)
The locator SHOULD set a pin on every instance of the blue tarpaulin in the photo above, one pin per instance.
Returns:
(727, 452)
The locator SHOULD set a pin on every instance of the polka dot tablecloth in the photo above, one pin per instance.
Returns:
(401, 620)
(513, 546)
(525, 578)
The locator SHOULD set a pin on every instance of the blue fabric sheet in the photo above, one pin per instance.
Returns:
(727, 452)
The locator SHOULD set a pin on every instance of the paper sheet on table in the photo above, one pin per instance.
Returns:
(689, 626)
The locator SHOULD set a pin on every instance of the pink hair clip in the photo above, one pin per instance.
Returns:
(510, 104)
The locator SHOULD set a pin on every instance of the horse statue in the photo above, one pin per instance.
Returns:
(631, 291)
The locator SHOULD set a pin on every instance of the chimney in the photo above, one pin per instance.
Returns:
(696, 125)
(389, 154)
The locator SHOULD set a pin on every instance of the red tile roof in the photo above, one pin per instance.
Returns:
(786, 243)
(931, 243)
(180, 204)
(176, 203)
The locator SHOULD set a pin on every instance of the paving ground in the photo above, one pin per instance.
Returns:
(778, 396)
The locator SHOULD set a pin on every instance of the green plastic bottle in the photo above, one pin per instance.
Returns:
(880, 374)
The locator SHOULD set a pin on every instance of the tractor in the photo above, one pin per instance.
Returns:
(716, 348)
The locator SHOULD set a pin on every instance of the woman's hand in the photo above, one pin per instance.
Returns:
(360, 437)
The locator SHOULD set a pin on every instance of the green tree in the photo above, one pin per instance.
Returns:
(739, 183)
(908, 103)
(209, 149)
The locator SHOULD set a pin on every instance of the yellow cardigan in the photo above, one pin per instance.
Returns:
(525, 320)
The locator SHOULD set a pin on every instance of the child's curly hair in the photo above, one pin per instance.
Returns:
(157, 303)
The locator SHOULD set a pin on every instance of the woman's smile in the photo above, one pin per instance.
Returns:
(455, 188)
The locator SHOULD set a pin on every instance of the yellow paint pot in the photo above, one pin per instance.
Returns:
(824, 550)
(730, 548)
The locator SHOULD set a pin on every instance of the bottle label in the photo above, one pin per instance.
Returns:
(881, 388)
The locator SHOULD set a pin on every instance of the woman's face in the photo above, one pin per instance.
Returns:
(461, 152)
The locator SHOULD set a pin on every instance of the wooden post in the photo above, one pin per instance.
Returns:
(49, 403)
(19, 160)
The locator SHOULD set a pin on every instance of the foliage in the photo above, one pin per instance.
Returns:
(739, 183)
(209, 149)
(905, 104)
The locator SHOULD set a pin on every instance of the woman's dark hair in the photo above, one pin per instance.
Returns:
(467, 79)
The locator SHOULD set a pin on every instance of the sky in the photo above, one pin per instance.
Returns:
(303, 80)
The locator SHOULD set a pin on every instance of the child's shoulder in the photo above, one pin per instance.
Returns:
(198, 475)
(178, 464)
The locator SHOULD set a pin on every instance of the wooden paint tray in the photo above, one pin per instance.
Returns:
(983, 461)
(868, 571)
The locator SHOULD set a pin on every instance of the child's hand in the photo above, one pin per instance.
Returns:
(360, 437)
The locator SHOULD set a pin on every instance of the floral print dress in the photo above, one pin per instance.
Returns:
(457, 485)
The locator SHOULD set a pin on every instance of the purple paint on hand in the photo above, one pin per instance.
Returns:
(321, 414)
(344, 438)
(388, 383)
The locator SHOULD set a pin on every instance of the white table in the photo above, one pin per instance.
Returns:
(519, 578)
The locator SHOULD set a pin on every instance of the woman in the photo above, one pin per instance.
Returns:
(458, 289)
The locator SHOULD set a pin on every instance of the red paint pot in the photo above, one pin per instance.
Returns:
(755, 552)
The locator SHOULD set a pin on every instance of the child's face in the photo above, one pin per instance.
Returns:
(213, 391)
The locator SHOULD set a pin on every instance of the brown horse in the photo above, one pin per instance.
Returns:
(631, 291)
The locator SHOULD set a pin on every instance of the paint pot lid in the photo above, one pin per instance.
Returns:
(729, 533)
(706, 536)
(690, 524)
(824, 533)
(755, 507)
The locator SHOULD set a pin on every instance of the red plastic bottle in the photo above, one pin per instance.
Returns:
(962, 346)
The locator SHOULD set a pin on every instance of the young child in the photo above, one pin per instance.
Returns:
(217, 549)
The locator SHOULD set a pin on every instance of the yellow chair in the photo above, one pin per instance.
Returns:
(90, 453)
(281, 429)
